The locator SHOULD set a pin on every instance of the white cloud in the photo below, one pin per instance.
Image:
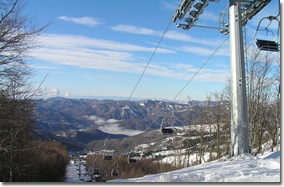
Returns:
(135, 30)
(50, 92)
(88, 21)
(91, 59)
(42, 67)
(97, 120)
(112, 126)
(170, 6)
(172, 35)
(186, 71)
(189, 68)
(54, 92)
(71, 41)
(112, 121)
(81, 52)
(67, 94)
(116, 129)
(206, 51)
(180, 36)
(208, 16)
(106, 55)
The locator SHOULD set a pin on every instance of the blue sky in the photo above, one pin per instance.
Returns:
(100, 48)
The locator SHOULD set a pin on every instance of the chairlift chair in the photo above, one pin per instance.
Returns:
(97, 172)
(107, 157)
(114, 172)
(167, 130)
(132, 158)
(132, 161)
(267, 45)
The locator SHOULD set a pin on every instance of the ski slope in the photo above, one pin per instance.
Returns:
(243, 168)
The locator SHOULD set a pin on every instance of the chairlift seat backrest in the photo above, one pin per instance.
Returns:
(107, 157)
(267, 45)
(97, 171)
(114, 173)
(131, 160)
(167, 131)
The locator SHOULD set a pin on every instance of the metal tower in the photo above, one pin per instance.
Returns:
(239, 13)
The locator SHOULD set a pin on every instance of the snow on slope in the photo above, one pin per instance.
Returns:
(244, 168)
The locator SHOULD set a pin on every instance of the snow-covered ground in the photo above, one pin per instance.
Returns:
(244, 168)
(76, 172)
(72, 173)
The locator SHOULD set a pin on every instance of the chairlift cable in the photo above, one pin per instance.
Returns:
(150, 59)
(208, 59)
(136, 85)
(159, 114)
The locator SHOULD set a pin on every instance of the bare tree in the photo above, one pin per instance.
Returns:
(211, 127)
(227, 117)
(260, 95)
(188, 142)
(218, 120)
(16, 36)
(201, 133)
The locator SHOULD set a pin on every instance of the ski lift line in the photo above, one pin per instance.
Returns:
(97, 155)
(208, 59)
(134, 143)
(150, 59)
(160, 113)
(168, 130)
(178, 92)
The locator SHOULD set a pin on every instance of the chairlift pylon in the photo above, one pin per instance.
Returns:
(266, 44)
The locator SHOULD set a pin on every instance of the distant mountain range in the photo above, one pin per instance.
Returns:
(81, 121)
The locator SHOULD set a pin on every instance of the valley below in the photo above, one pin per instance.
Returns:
(82, 121)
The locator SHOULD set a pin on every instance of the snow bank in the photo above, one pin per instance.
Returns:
(244, 168)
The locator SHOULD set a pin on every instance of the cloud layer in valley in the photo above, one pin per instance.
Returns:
(111, 126)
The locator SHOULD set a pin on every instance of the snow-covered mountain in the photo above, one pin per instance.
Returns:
(61, 114)
(86, 120)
